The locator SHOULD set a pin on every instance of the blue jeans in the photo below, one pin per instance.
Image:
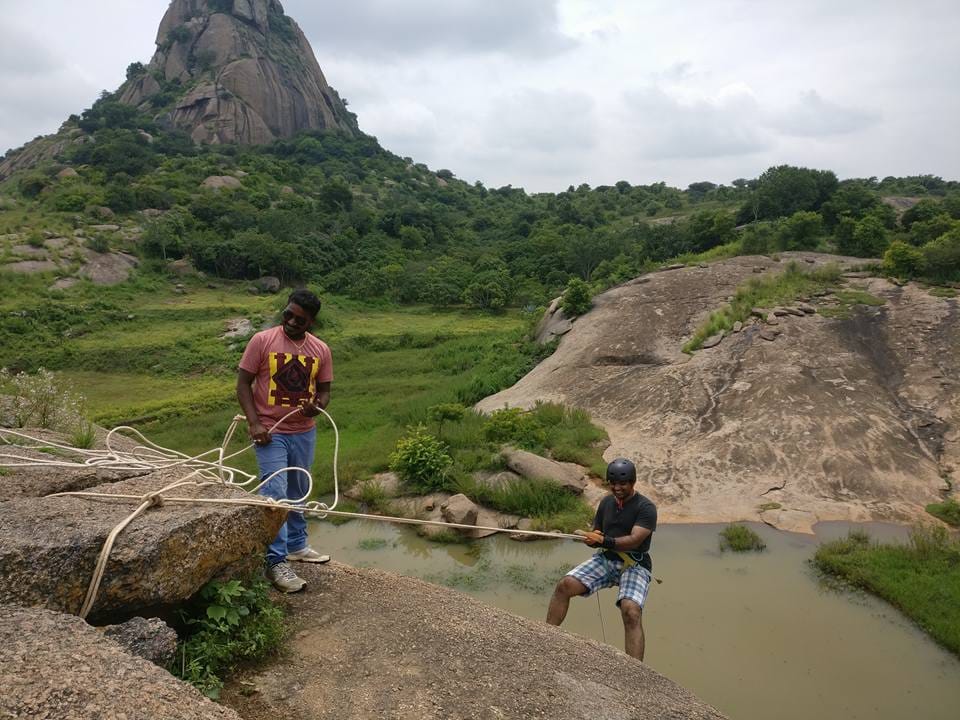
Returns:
(287, 450)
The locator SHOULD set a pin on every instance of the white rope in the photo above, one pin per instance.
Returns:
(152, 457)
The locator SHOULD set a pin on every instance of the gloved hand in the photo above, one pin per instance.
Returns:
(594, 538)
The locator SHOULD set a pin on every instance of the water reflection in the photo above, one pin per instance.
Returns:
(756, 635)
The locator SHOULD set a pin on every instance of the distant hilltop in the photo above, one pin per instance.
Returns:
(225, 71)
(234, 71)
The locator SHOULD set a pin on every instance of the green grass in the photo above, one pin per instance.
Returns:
(921, 578)
(791, 284)
(740, 538)
(372, 544)
(943, 292)
(948, 511)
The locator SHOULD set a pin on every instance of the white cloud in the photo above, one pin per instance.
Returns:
(812, 116)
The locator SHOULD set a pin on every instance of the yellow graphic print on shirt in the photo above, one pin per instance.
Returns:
(292, 379)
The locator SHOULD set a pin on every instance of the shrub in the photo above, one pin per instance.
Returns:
(420, 460)
(513, 425)
(903, 260)
(943, 256)
(740, 538)
(948, 511)
(576, 298)
(231, 623)
(452, 412)
(38, 400)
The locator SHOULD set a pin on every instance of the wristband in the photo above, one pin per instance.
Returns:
(609, 543)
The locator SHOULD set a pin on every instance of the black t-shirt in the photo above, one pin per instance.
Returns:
(617, 522)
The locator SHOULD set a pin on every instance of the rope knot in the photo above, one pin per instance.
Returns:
(155, 499)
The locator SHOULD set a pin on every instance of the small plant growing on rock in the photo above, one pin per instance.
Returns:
(740, 538)
(421, 460)
(231, 622)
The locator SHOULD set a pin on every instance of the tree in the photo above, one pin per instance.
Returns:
(577, 298)
(783, 190)
(942, 257)
(903, 261)
(452, 412)
(800, 231)
(853, 200)
(866, 238)
(924, 210)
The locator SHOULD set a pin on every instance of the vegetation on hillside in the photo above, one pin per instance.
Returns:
(343, 213)
(921, 578)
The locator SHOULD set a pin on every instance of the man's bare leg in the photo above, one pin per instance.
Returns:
(567, 588)
(633, 641)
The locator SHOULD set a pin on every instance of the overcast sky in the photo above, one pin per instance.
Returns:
(547, 93)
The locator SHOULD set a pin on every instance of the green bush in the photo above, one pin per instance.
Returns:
(903, 261)
(740, 538)
(421, 460)
(943, 257)
(230, 622)
(516, 426)
(577, 298)
(948, 511)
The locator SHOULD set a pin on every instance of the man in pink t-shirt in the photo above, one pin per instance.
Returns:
(282, 383)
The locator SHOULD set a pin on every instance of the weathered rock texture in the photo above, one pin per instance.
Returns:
(49, 547)
(833, 418)
(151, 639)
(247, 75)
(370, 644)
(56, 667)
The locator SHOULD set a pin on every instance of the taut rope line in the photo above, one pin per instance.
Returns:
(152, 457)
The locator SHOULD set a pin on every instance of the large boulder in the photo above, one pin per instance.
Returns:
(49, 547)
(249, 72)
(108, 268)
(56, 667)
(460, 510)
(534, 467)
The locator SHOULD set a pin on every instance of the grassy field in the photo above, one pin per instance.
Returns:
(921, 578)
(146, 355)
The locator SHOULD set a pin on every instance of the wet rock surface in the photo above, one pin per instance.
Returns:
(370, 644)
(852, 417)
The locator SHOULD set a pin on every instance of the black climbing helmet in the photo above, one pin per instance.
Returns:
(622, 470)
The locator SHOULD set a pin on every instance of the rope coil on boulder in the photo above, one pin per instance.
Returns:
(152, 457)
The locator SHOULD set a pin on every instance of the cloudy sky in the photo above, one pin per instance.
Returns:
(547, 93)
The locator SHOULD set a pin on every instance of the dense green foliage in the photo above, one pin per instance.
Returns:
(421, 461)
(740, 538)
(227, 623)
(342, 212)
(921, 578)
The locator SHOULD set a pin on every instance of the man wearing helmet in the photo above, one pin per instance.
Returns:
(622, 530)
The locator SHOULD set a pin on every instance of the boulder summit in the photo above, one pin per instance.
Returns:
(234, 71)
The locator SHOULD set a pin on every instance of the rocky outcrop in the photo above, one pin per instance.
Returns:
(535, 467)
(847, 415)
(49, 547)
(441, 654)
(56, 667)
(246, 74)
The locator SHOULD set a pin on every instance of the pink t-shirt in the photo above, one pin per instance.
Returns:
(286, 374)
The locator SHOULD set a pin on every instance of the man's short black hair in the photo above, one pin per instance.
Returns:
(305, 299)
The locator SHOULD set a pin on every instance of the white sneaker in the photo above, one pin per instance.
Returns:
(308, 554)
(284, 578)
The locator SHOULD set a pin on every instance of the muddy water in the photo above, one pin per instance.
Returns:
(754, 635)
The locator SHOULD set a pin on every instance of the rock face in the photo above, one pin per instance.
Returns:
(853, 417)
(534, 467)
(151, 639)
(49, 547)
(243, 73)
(441, 654)
(56, 667)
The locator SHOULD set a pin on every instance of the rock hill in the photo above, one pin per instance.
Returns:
(225, 71)
(846, 415)
(242, 71)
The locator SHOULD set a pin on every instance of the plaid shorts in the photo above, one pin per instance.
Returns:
(600, 572)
